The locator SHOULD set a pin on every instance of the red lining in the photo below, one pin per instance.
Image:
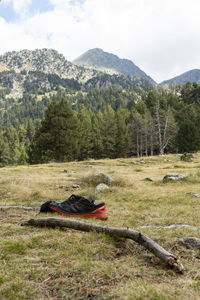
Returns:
(99, 213)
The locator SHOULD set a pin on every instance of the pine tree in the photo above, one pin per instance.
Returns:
(122, 137)
(56, 139)
(85, 133)
(97, 136)
(109, 132)
(188, 138)
(12, 137)
(4, 151)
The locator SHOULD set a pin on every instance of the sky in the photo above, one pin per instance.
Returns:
(162, 37)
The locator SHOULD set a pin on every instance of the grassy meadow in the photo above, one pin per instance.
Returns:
(43, 263)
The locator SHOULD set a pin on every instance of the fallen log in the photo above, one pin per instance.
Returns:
(16, 207)
(168, 258)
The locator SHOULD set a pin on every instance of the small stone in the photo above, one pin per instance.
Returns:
(133, 162)
(101, 187)
(142, 161)
(190, 242)
(148, 179)
(72, 187)
(173, 177)
(76, 186)
(196, 195)
(167, 160)
(68, 171)
(8, 193)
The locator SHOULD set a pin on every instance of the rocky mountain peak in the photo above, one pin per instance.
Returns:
(107, 62)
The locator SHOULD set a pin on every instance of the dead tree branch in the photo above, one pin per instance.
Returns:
(168, 258)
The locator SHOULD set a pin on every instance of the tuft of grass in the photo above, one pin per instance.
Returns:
(14, 247)
(179, 167)
(193, 178)
(92, 180)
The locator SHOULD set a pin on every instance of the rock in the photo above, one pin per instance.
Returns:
(72, 187)
(101, 187)
(173, 177)
(68, 171)
(142, 161)
(190, 242)
(196, 195)
(168, 160)
(105, 178)
(133, 162)
(148, 179)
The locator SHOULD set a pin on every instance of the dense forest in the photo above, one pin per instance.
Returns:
(72, 124)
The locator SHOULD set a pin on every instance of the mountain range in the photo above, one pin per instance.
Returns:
(46, 70)
(42, 71)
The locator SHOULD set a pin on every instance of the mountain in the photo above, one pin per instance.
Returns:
(43, 71)
(192, 76)
(48, 61)
(110, 63)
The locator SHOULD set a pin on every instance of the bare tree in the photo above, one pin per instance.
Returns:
(165, 124)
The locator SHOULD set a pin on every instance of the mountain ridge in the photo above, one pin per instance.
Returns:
(45, 70)
(191, 75)
(110, 63)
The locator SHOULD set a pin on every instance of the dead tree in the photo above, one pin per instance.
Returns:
(165, 256)
(165, 127)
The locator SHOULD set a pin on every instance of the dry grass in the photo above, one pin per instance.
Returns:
(66, 264)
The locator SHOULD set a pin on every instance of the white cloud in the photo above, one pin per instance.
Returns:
(161, 37)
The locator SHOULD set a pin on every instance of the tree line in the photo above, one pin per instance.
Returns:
(118, 124)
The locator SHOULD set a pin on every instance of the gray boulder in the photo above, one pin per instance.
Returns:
(173, 177)
(101, 187)
(190, 242)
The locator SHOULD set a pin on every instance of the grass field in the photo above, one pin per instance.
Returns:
(42, 263)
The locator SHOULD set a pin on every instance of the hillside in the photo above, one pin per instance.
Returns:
(43, 71)
(110, 63)
(192, 76)
(48, 61)
(44, 263)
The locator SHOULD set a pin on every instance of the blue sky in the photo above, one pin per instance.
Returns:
(159, 36)
(8, 12)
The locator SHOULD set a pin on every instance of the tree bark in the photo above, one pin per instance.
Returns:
(168, 258)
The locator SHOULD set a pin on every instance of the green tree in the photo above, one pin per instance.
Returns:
(97, 135)
(122, 136)
(85, 133)
(4, 151)
(12, 137)
(109, 132)
(57, 137)
(187, 138)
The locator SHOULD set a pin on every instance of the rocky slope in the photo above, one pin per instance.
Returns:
(48, 61)
(192, 76)
(110, 63)
(45, 70)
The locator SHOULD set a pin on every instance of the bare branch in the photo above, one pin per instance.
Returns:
(138, 237)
